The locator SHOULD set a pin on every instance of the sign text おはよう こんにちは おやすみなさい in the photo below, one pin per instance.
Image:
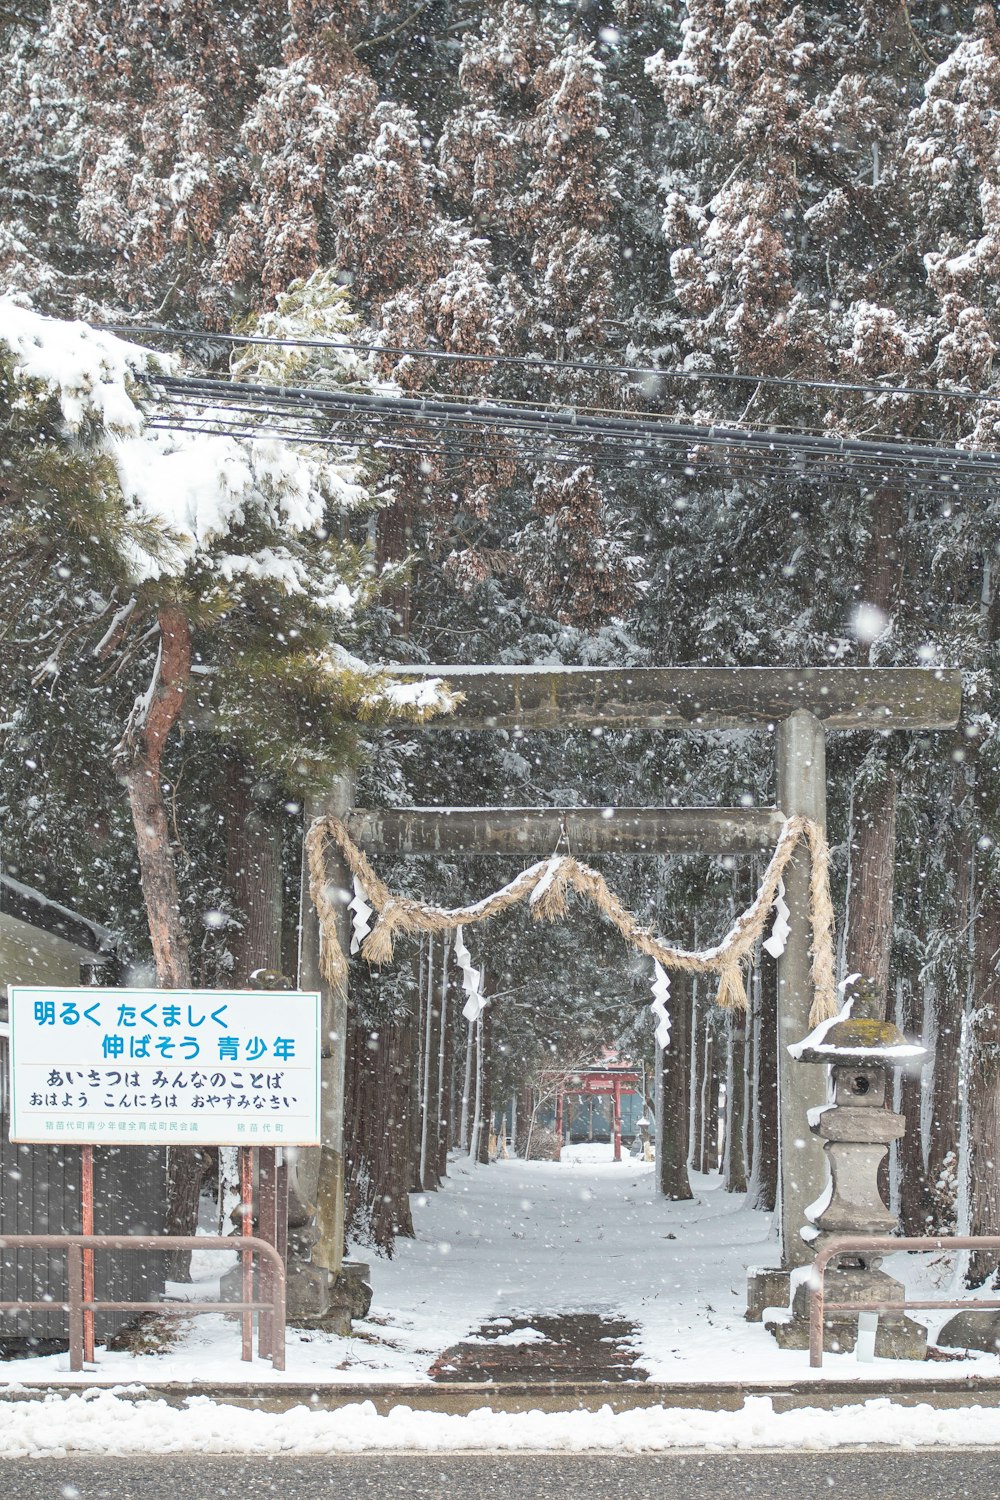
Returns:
(162, 1067)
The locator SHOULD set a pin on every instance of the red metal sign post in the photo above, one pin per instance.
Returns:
(87, 1227)
(246, 1230)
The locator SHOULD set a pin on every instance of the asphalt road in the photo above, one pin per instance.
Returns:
(947, 1475)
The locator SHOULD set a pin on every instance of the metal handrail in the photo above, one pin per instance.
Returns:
(75, 1244)
(883, 1244)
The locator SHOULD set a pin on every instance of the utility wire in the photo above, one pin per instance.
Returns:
(540, 363)
(623, 457)
(356, 429)
(498, 416)
(679, 464)
(532, 408)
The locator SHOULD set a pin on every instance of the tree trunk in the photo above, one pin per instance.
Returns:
(869, 899)
(186, 1169)
(984, 1079)
(377, 1134)
(417, 1078)
(434, 1067)
(525, 1108)
(674, 1091)
(735, 1176)
(143, 747)
(716, 1146)
(751, 1085)
(253, 836)
(764, 1185)
(142, 753)
(447, 1042)
(696, 1054)
(873, 824)
(708, 1106)
(485, 1120)
(476, 1107)
(394, 543)
(427, 1172)
(915, 1204)
(158, 874)
(467, 1085)
(949, 997)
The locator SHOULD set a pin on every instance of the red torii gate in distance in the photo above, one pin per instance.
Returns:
(609, 1079)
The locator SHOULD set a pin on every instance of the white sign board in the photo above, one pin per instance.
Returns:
(164, 1067)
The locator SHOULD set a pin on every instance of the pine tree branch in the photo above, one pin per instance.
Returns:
(386, 36)
(904, 8)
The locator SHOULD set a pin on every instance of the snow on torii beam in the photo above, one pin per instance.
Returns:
(694, 698)
(530, 831)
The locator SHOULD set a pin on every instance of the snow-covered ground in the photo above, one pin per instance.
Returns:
(530, 1238)
(517, 1238)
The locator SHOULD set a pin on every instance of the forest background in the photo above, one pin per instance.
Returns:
(738, 187)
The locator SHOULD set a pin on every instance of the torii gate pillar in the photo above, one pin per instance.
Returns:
(801, 788)
(800, 777)
(316, 1294)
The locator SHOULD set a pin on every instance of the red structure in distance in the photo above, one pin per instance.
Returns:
(609, 1078)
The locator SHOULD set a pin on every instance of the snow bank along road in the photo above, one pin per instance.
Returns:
(103, 1423)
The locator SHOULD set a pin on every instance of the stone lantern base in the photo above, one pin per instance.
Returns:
(316, 1297)
(856, 1128)
(972, 1329)
(897, 1336)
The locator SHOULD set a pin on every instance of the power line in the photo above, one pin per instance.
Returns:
(672, 460)
(355, 428)
(497, 416)
(465, 444)
(529, 407)
(539, 363)
(616, 456)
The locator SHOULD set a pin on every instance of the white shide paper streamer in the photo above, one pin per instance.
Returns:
(360, 914)
(471, 980)
(661, 994)
(775, 944)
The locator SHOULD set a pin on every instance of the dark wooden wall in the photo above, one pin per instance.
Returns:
(40, 1194)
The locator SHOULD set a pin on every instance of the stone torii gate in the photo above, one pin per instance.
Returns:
(799, 705)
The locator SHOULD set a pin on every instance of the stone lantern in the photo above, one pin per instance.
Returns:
(857, 1128)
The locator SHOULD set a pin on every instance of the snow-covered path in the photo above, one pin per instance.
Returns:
(583, 1235)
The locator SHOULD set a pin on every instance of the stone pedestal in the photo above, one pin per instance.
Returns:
(327, 1301)
(316, 1298)
(767, 1286)
(970, 1329)
(897, 1336)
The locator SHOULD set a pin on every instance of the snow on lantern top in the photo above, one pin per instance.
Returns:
(846, 1039)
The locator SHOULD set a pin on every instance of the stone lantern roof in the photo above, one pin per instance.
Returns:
(845, 1039)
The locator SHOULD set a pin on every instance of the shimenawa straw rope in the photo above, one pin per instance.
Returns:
(546, 887)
